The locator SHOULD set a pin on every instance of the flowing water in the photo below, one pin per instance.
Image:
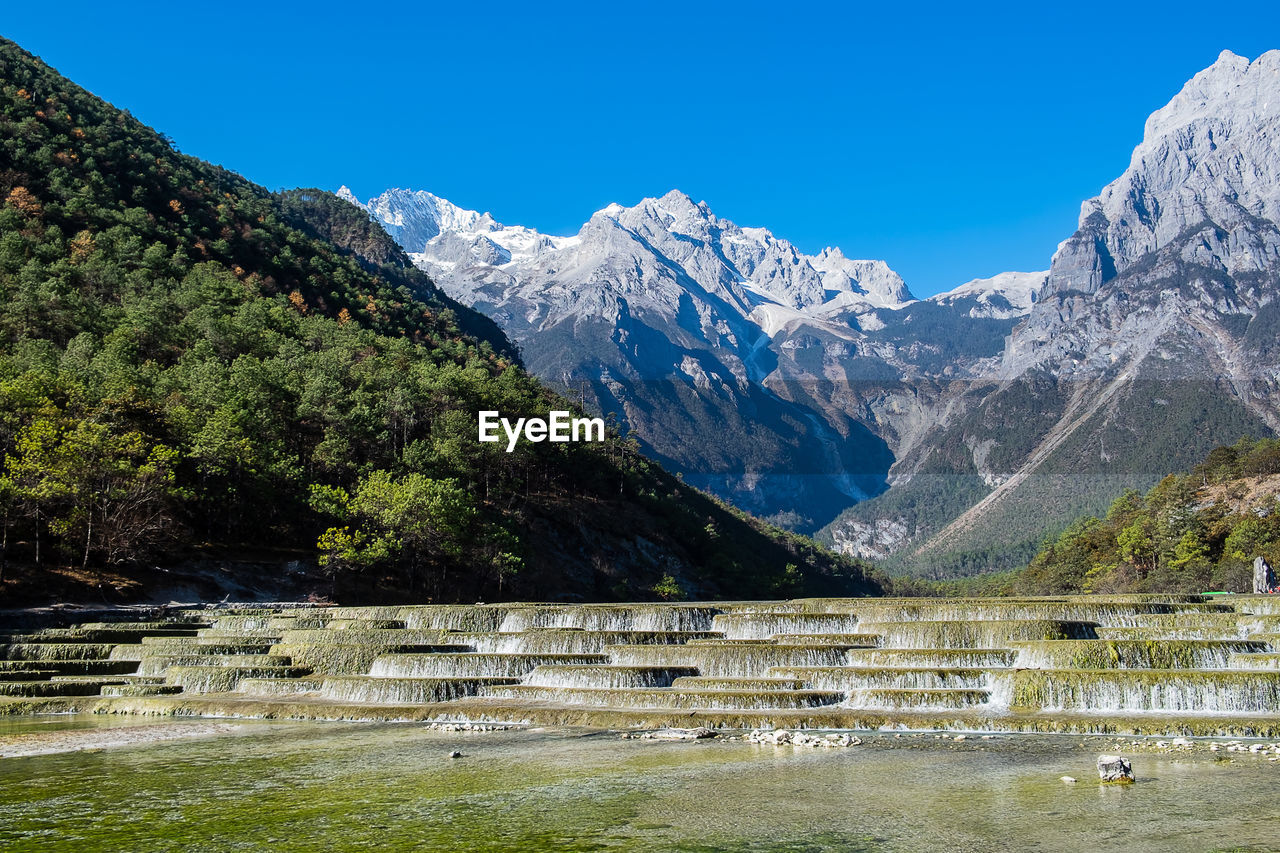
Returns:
(1175, 664)
(388, 787)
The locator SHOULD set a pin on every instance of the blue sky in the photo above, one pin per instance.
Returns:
(953, 141)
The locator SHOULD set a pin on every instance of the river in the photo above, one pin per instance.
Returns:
(385, 786)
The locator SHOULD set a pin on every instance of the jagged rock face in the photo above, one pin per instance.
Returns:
(1006, 296)
(1184, 243)
(1152, 339)
(1212, 155)
(789, 382)
(759, 372)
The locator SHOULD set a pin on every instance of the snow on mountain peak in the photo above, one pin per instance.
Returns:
(1229, 88)
(1002, 297)
(344, 192)
(634, 250)
(1211, 155)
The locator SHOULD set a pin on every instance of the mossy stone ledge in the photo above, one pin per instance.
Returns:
(1107, 664)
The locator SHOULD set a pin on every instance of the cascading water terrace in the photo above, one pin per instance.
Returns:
(916, 663)
(761, 626)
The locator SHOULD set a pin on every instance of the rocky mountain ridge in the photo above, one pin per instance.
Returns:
(794, 384)
(684, 323)
(1152, 339)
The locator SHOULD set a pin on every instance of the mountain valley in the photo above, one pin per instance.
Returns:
(947, 435)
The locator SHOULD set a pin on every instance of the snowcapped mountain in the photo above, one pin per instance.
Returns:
(700, 334)
(1196, 210)
(1153, 338)
(795, 385)
(748, 267)
(1004, 296)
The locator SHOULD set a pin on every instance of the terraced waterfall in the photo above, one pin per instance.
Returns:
(1179, 664)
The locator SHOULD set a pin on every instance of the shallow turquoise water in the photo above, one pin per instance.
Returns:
(330, 786)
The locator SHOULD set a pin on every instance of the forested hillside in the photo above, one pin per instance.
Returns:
(192, 367)
(1191, 533)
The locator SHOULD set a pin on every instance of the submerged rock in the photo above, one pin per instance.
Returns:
(698, 733)
(780, 737)
(1115, 770)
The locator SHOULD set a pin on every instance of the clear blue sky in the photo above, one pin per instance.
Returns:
(954, 142)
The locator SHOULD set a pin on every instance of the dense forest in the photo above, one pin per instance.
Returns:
(192, 367)
(1192, 532)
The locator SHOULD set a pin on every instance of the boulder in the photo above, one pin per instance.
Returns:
(681, 734)
(1264, 581)
(1115, 770)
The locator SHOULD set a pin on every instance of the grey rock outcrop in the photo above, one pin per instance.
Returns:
(797, 385)
(1152, 340)
(687, 324)
(1263, 579)
(1115, 770)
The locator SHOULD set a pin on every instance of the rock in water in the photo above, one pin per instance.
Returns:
(681, 734)
(1115, 770)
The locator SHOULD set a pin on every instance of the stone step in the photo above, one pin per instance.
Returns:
(223, 679)
(606, 676)
(256, 638)
(1175, 632)
(404, 691)
(707, 682)
(850, 678)
(265, 623)
(1093, 609)
(849, 641)
(473, 664)
(279, 686)
(917, 699)
(610, 617)
(201, 646)
(759, 626)
(55, 651)
(332, 658)
(971, 634)
(736, 660)
(122, 679)
(721, 640)
(371, 636)
(41, 689)
(365, 624)
(1205, 691)
(140, 689)
(1254, 660)
(569, 640)
(1130, 653)
(672, 697)
(944, 658)
(28, 674)
(74, 667)
(157, 664)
